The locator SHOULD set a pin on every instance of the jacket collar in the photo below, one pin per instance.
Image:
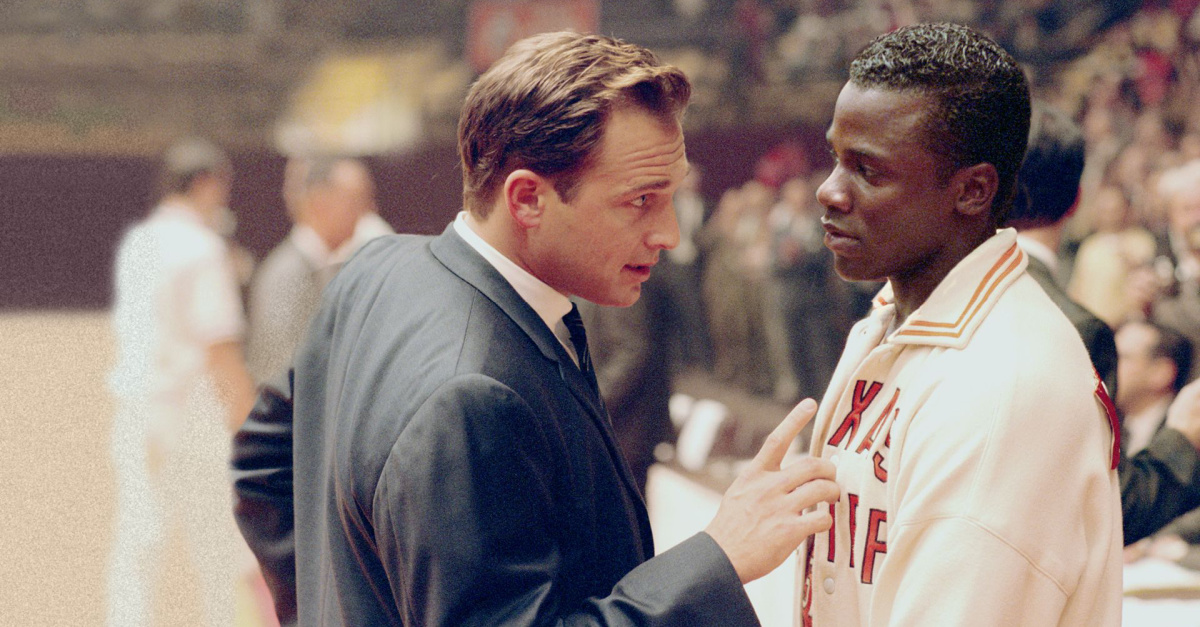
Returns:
(960, 303)
(458, 256)
(466, 262)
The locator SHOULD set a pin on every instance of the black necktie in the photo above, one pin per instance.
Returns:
(574, 323)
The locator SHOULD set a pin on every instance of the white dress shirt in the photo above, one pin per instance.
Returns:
(546, 301)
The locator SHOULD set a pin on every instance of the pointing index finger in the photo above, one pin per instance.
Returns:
(770, 456)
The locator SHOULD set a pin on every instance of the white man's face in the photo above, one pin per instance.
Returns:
(603, 243)
(340, 203)
(1140, 375)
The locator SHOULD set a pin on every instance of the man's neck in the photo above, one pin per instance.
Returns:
(327, 236)
(913, 288)
(1048, 236)
(187, 202)
(500, 235)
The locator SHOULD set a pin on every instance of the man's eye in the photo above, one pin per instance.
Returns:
(641, 201)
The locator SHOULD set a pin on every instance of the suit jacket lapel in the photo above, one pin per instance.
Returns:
(1041, 272)
(464, 261)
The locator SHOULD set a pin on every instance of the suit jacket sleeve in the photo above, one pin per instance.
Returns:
(262, 482)
(1158, 484)
(464, 527)
(1102, 349)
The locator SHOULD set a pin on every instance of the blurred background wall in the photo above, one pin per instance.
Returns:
(92, 90)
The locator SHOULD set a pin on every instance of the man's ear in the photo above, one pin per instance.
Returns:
(524, 195)
(977, 185)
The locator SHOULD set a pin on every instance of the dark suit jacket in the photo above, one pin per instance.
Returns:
(284, 295)
(1161, 481)
(449, 465)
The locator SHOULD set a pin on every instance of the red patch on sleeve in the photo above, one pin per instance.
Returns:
(1113, 423)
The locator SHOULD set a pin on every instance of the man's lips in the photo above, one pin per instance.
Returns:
(643, 268)
(834, 230)
(836, 239)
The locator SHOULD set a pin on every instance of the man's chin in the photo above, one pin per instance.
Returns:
(624, 298)
(851, 272)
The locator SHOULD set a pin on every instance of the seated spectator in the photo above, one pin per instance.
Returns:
(1153, 362)
(1152, 365)
(1113, 262)
(1179, 253)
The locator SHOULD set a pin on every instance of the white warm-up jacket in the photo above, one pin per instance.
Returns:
(975, 450)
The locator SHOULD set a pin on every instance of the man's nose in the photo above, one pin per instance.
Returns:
(832, 194)
(666, 230)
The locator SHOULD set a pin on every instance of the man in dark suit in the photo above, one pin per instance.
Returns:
(439, 454)
(1161, 481)
(327, 199)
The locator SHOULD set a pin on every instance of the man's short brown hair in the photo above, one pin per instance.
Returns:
(544, 104)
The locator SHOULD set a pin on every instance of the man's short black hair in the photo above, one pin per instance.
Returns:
(1048, 184)
(980, 96)
(1174, 346)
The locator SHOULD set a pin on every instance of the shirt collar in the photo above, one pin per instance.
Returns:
(549, 304)
(1038, 251)
(180, 211)
(960, 303)
(314, 249)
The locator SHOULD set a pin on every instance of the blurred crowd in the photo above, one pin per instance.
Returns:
(773, 311)
(1132, 85)
(775, 314)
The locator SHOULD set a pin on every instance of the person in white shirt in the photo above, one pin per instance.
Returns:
(181, 388)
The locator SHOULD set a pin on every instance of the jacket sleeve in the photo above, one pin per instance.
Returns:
(1158, 484)
(466, 528)
(262, 482)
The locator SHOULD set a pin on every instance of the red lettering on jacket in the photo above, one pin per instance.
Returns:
(874, 545)
(880, 471)
(833, 533)
(861, 399)
(853, 500)
(1113, 423)
(869, 439)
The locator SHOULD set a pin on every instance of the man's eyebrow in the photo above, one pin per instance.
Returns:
(651, 186)
(858, 153)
